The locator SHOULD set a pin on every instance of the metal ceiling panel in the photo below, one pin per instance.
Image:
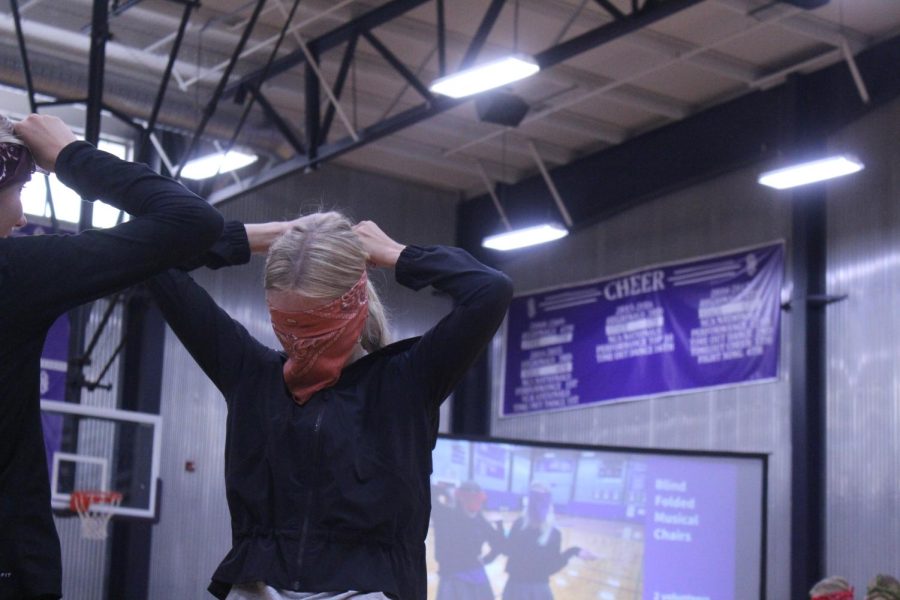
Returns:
(675, 67)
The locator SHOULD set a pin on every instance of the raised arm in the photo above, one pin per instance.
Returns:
(480, 296)
(54, 273)
(221, 346)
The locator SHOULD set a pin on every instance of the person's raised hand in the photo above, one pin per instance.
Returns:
(382, 251)
(45, 137)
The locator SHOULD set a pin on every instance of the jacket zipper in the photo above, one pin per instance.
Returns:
(309, 493)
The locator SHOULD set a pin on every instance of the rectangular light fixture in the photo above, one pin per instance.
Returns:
(213, 164)
(811, 172)
(529, 236)
(485, 76)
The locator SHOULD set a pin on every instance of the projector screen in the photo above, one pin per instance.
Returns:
(524, 521)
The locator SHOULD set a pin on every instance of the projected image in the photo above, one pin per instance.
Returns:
(524, 522)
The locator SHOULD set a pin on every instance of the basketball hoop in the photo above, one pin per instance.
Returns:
(95, 509)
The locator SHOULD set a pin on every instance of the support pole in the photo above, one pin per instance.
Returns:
(79, 316)
(490, 189)
(550, 185)
(808, 358)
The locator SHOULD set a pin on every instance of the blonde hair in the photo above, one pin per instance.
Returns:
(8, 132)
(830, 585)
(321, 257)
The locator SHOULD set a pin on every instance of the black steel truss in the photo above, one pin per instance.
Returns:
(248, 105)
(217, 94)
(317, 147)
(611, 9)
(157, 102)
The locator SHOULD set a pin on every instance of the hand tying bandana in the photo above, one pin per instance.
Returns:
(318, 341)
(16, 164)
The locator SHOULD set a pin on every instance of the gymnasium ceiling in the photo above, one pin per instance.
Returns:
(702, 55)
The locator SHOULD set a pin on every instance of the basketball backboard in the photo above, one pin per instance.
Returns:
(103, 449)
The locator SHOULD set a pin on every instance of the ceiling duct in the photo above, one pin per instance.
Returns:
(501, 108)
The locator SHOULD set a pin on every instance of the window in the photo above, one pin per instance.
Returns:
(66, 202)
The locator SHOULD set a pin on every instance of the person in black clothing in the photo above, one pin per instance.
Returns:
(533, 548)
(328, 444)
(41, 278)
(460, 532)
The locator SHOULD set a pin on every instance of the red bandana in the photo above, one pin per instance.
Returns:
(16, 164)
(318, 341)
(839, 595)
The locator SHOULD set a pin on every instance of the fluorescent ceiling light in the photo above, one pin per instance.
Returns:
(213, 164)
(529, 236)
(811, 172)
(486, 76)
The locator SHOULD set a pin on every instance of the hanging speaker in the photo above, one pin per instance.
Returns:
(501, 108)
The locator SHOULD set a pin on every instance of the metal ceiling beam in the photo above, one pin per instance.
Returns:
(799, 21)
(121, 7)
(288, 17)
(450, 129)
(480, 37)
(651, 40)
(217, 94)
(322, 14)
(616, 84)
(611, 9)
(395, 62)
(414, 29)
(605, 33)
(338, 88)
(556, 54)
(279, 123)
(164, 83)
(420, 31)
(328, 41)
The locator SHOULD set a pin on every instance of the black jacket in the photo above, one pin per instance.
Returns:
(459, 539)
(529, 560)
(41, 278)
(334, 495)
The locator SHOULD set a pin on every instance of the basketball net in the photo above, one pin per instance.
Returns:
(95, 509)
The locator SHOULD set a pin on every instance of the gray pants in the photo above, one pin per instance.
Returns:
(261, 591)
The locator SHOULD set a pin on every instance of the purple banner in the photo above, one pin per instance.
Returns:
(697, 324)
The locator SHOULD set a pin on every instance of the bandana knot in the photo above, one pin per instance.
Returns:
(16, 164)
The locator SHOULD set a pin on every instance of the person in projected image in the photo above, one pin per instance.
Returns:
(533, 547)
(460, 532)
(883, 587)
